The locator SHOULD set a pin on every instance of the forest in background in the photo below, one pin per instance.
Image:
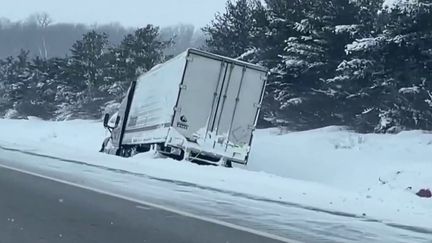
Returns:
(39, 35)
(357, 63)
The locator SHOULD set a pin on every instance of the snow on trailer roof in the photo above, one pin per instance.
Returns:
(226, 59)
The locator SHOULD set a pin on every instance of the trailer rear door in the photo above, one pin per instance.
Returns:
(200, 88)
(239, 104)
(218, 101)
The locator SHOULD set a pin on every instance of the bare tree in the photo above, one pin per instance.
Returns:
(43, 20)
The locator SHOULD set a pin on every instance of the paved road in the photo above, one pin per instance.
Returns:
(37, 210)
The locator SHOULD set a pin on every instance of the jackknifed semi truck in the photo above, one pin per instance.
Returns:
(197, 106)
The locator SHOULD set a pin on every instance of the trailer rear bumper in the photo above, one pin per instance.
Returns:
(208, 152)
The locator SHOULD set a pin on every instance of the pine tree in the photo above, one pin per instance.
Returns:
(138, 53)
(311, 38)
(235, 32)
(6, 67)
(277, 27)
(386, 82)
(38, 96)
(17, 78)
(87, 70)
(68, 92)
(88, 60)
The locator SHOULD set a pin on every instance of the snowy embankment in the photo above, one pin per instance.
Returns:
(370, 176)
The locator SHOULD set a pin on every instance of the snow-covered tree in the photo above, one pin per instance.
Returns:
(139, 52)
(235, 33)
(311, 39)
(6, 67)
(386, 81)
(39, 91)
(16, 76)
(88, 60)
(86, 71)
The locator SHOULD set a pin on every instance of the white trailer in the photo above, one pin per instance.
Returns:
(198, 106)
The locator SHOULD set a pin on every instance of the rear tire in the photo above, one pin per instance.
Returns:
(104, 144)
(227, 163)
(126, 151)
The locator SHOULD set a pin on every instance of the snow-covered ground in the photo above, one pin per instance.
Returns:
(372, 177)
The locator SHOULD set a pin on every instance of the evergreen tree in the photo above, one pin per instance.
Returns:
(280, 17)
(234, 33)
(68, 92)
(138, 53)
(309, 39)
(87, 71)
(386, 82)
(6, 67)
(89, 60)
(16, 83)
(38, 92)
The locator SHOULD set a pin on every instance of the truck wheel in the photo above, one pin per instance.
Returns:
(227, 164)
(104, 144)
(179, 157)
(125, 152)
(102, 148)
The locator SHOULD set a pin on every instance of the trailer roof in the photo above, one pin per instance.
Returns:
(226, 59)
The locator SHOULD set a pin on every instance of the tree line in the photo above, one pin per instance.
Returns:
(89, 82)
(39, 35)
(363, 64)
(359, 63)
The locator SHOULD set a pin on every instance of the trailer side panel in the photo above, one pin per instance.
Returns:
(154, 99)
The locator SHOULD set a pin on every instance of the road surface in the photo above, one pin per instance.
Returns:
(38, 210)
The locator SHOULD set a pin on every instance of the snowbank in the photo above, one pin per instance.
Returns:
(370, 176)
(347, 160)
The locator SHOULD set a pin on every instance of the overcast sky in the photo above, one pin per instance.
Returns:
(130, 13)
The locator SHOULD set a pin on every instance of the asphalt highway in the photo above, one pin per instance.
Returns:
(38, 210)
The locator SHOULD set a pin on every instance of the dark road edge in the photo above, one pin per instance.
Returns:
(156, 206)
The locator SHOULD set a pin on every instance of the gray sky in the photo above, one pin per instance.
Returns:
(131, 13)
